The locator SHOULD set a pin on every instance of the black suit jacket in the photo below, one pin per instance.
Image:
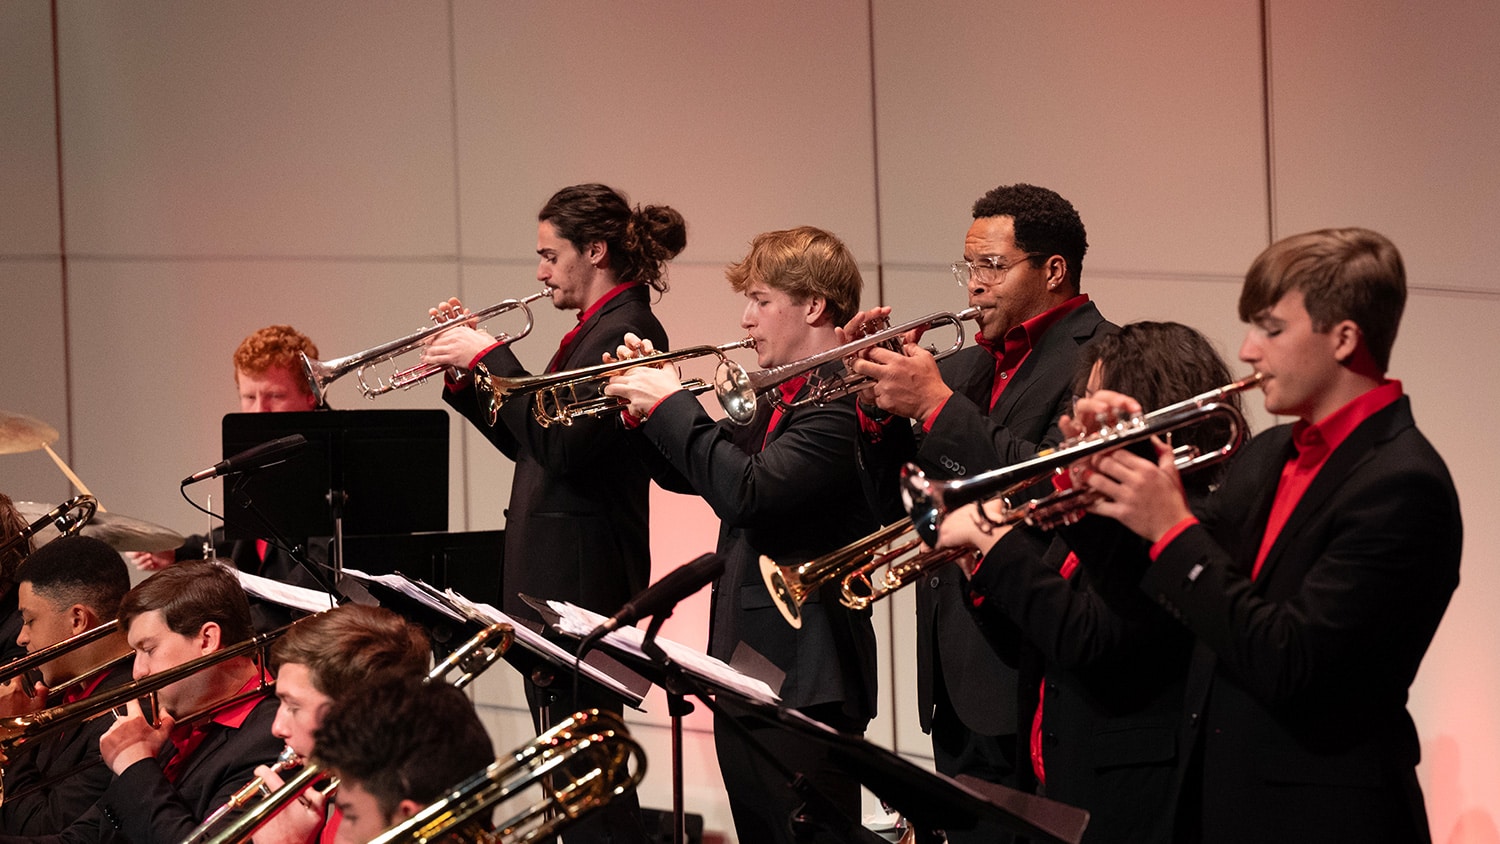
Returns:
(50, 783)
(577, 528)
(801, 496)
(1296, 693)
(1114, 664)
(141, 807)
(967, 439)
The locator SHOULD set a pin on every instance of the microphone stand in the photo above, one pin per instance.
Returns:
(817, 811)
(297, 552)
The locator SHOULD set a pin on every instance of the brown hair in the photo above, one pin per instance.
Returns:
(352, 645)
(190, 595)
(639, 241)
(403, 741)
(1353, 273)
(275, 347)
(12, 524)
(803, 262)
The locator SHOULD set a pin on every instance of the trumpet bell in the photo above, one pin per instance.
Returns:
(777, 584)
(735, 392)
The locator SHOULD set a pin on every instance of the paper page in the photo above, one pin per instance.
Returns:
(285, 594)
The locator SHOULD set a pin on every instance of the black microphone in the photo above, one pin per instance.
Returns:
(258, 457)
(664, 594)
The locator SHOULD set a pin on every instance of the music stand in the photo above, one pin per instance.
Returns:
(363, 472)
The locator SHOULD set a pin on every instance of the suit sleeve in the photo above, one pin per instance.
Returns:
(762, 489)
(1385, 566)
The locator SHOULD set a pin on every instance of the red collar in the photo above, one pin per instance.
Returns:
(1331, 431)
(584, 315)
(1025, 336)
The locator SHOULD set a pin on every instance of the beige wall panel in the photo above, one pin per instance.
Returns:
(35, 379)
(1145, 115)
(153, 344)
(28, 135)
(1385, 115)
(743, 117)
(1445, 342)
(264, 129)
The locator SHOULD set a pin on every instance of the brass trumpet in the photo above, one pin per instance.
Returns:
(322, 373)
(68, 522)
(739, 391)
(590, 753)
(557, 397)
(928, 501)
(857, 568)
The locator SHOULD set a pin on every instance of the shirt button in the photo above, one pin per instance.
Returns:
(933, 582)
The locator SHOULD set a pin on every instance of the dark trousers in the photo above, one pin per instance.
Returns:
(761, 799)
(958, 750)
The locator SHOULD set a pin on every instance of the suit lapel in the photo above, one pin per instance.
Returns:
(1354, 451)
(580, 340)
(1045, 365)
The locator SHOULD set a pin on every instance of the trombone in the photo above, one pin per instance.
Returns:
(470, 659)
(20, 730)
(738, 390)
(322, 373)
(929, 501)
(28, 666)
(556, 396)
(68, 522)
(590, 752)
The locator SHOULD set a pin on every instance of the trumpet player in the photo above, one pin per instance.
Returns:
(68, 586)
(167, 777)
(397, 747)
(577, 526)
(1314, 577)
(988, 406)
(1112, 663)
(788, 485)
(321, 660)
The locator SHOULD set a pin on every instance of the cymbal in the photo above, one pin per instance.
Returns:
(121, 533)
(22, 433)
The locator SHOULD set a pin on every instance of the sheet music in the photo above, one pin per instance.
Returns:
(537, 643)
(285, 594)
(414, 589)
(577, 621)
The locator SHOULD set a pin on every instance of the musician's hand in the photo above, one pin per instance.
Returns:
(15, 701)
(1100, 409)
(963, 528)
(631, 347)
(1143, 495)
(905, 384)
(459, 345)
(643, 387)
(151, 560)
(301, 820)
(862, 324)
(451, 310)
(132, 738)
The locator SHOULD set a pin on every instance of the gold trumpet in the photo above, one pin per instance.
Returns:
(857, 568)
(739, 391)
(590, 753)
(557, 396)
(322, 373)
(929, 501)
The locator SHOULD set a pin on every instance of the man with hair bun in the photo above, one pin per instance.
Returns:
(577, 527)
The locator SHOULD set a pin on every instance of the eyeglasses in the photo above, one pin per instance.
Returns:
(965, 270)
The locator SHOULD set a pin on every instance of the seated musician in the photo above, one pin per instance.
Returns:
(319, 661)
(269, 377)
(68, 586)
(397, 747)
(169, 777)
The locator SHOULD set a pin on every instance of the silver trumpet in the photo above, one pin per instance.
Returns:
(739, 391)
(929, 501)
(322, 373)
